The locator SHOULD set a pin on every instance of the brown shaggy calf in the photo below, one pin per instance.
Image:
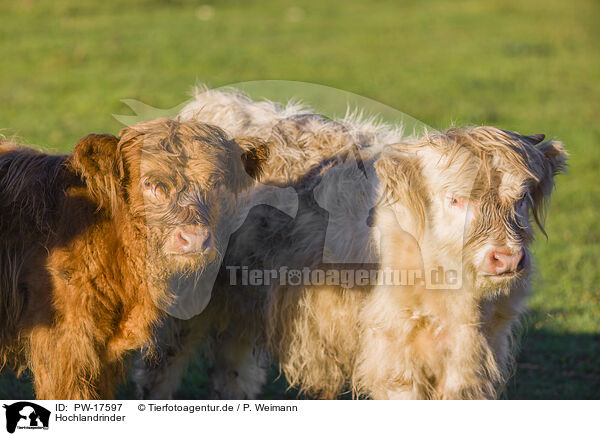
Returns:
(90, 240)
(458, 201)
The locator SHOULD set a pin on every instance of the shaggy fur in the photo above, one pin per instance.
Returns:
(438, 201)
(87, 244)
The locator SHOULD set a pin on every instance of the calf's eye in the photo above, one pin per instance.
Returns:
(155, 191)
(456, 202)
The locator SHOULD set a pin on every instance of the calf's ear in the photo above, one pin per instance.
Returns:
(402, 183)
(255, 153)
(96, 159)
(248, 166)
(556, 156)
(554, 162)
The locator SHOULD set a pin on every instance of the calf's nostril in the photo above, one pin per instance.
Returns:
(522, 262)
(207, 243)
(183, 239)
(496, 259)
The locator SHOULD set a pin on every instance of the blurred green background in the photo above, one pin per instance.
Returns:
(531, 66)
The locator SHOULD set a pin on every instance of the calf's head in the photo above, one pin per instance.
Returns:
(478, 190)
(173, 180)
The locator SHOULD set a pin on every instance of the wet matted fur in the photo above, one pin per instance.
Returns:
(89, 241)
(441, 200)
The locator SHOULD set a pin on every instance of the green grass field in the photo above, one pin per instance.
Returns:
(531, 66)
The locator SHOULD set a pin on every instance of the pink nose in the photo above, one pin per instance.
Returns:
(502, 260)
(190, 240)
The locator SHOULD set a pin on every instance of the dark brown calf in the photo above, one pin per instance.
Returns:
(88, 242)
